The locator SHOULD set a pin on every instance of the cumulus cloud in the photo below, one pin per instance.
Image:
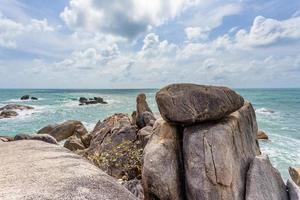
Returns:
(268, 31)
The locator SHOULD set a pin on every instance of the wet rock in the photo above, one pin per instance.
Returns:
(25, 97)
(16, 107)
(161, 174)
(34, 98)
(217, 156)
(88, 101)
(264, 181)
(100, 100)
(42, 137)
(38, 170)
(261, 135)
(83, 100)
(8, 114)
(135, 187)
(293, 190)
(295, 174)
(141, 107)
(189, 103)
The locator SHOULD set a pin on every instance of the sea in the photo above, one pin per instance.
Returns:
(277, 112)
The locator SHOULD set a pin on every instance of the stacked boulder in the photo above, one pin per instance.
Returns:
(205, 147)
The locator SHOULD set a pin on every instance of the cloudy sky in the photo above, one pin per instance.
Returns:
(148, 44)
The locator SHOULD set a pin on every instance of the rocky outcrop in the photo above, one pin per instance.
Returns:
(261, 135)
(8, 114)
(65, 130)
(144, 115)
(217, 156)
(295, 174)
(135, 187)
(42, 137)
(95, 100)
(25, 97)
(144, 135)
(16, 107)
(161, 174)
(189, 103)
(38, 170)
(264, 181)
(293, 190)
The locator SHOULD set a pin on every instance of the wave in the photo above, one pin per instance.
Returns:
(265, 111)
(19, 100)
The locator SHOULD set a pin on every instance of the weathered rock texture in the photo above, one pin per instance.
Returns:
(135, 187)
(8, 114)
(189, 103)
(293, 190)
(217, 156)
(295, 174)
(144, 115)
(16, 107)
(161, 174)
(42, 137)
(47, 129)
(37, 170)
(261, 135)
(264, 182)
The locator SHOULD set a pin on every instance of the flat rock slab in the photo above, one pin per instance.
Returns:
(189, 103)
(38, 170)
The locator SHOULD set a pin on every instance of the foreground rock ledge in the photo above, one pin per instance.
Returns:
(38, 170)
(190, 103)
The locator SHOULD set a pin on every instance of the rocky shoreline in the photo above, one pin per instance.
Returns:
(203, 145)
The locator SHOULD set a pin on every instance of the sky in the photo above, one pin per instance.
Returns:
(149, 44)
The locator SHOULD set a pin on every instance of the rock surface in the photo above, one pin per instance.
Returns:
(261, 135)
(141, 108)
(144, 135)
(42, 137)
(264, 181)
(8, 114)
(74, 143)
(16, 107)
(161, 174)
(135, 187)
(295, 174)
(293, 190)
(37, 170)
(47, 129)
(25, 97)
(95, 100)
(217, 156)
(189, 103)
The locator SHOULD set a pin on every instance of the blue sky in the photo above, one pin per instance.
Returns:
(148, 44)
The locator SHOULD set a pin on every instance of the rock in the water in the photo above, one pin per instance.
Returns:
(264, 181)
(261, 135)
(135, 187)
(141, 107)
(217, 156)
(83, 99)
(37, 170)
(47, 129)
(144, 135)
(189, 103)
(100, 100)
(16, 107)
(25, 97)
(34, 98)
(8, 114)
(295, 174)
(161, 174)
(42, 137)
(293, 190)
(67, 129)
(74, 143)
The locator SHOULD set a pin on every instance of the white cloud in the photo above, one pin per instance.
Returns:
(196, 33)
(268, 31)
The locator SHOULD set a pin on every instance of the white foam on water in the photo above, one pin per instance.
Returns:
(265, 111)
(19, 100)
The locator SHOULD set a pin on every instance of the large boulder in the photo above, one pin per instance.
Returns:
(144, 135)
(141, 108)
(67, 129)
(293, 190)
(161, 174)
(74, 143)
(264, 181)
(217, 156)
(42, 137)
(8, 114)
(261, 135)
(16, 107)
(37, 170)
(189, 103)
(47, 129)
(295, 174)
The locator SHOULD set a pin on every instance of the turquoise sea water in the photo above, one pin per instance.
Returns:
(277, 111)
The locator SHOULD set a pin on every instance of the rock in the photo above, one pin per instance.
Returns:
(37, 170)
(161, 174)
(47, 129)
(95, 100)
(34, 98)
(16, 107)
(83, 100)
(6, 138)
(8, 114)
(100, 100)
(261, 135)
(293, 190)
(217, 156)
(295, 175)
(144, 135)
(135, 187)
(133, 118)
(148, 118)
(42, 137)
(74, 143)
(25, 97)
(113, 147)
(264, 181)
(189, 103)
(67, 129)
(141, 107)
